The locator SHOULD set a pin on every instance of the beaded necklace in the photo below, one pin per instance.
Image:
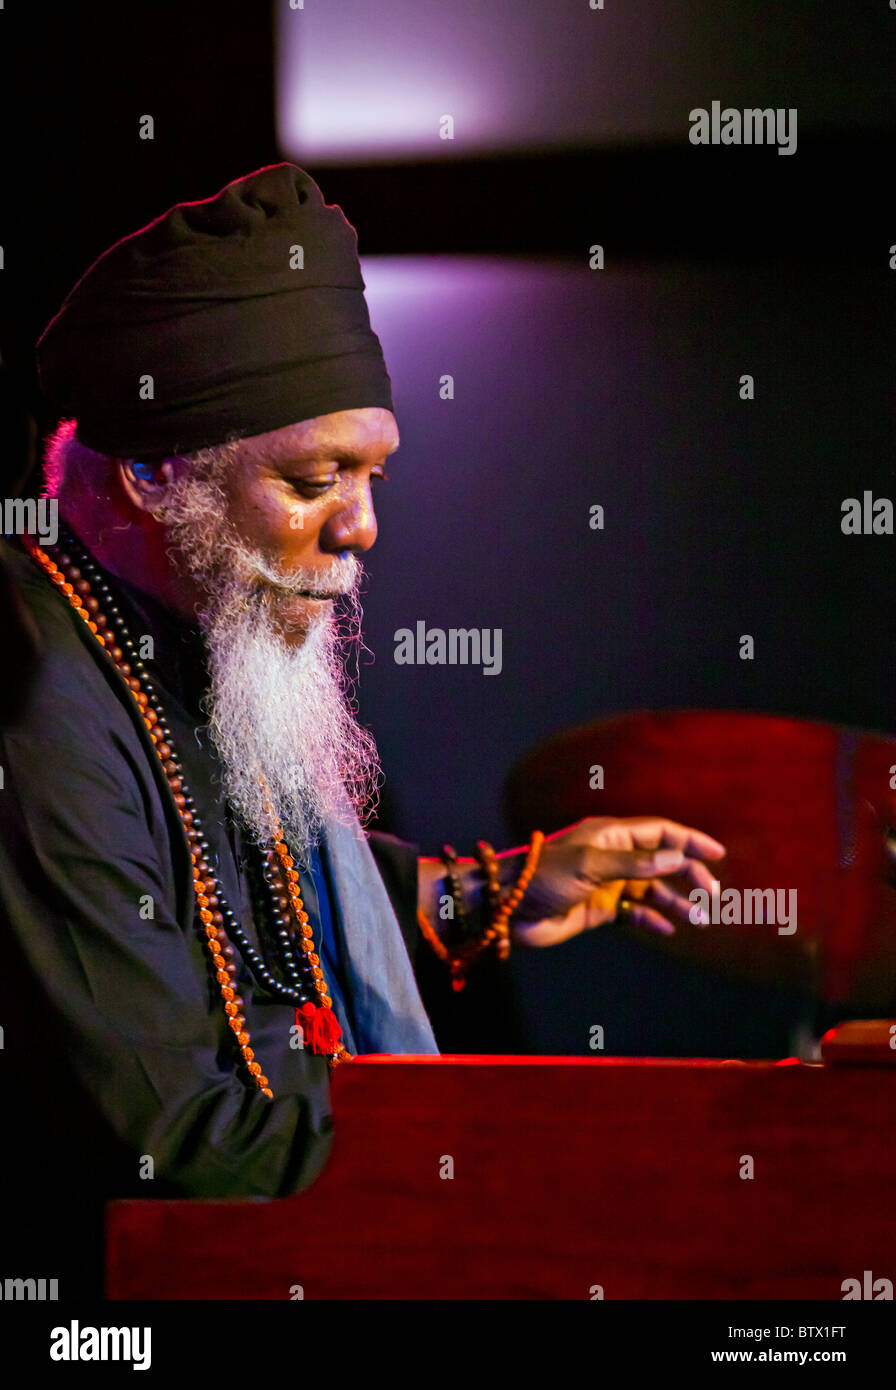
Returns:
(80, 580)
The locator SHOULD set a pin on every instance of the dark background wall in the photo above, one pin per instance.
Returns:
(722, 516)
(572, 387)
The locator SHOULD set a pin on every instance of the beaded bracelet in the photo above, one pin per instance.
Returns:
(488, 863)
(456, 889)
(498, 931)
(501, 925)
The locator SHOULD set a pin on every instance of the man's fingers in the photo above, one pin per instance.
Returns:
(669, 834)
(631, 863)
(641, 916)
(699, 875)
(670, 901)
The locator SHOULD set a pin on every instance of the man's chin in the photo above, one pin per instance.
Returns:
(294, 617)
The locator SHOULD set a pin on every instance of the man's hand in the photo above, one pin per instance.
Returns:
(585, 869)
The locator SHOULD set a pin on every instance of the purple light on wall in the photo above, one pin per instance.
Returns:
(400, 288)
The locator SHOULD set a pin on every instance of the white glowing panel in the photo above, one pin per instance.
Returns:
(390, 78)
(376, 79)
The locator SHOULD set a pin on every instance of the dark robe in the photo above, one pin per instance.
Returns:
(117, 1060)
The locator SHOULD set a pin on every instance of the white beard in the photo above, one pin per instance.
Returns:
(278, 710)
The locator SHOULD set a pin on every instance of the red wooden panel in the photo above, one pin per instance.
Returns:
(799, 804)
(568, 1173)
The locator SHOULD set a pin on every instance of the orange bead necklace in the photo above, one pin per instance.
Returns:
(79, 580)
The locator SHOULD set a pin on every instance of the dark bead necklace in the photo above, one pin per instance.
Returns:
(85, 586)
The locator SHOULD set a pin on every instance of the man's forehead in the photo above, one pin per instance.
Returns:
(343, 432)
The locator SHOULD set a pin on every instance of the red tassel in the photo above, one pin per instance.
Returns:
(458, 976)
(320, 1027)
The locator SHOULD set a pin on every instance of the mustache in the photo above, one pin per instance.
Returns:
(254, 573)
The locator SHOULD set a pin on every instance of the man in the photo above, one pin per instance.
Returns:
(194, 925)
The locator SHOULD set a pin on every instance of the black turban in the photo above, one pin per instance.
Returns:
(235, 315)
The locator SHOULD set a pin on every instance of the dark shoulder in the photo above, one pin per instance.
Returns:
(71, 694)
(397, 863)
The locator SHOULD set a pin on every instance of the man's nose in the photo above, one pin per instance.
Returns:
(353, 527)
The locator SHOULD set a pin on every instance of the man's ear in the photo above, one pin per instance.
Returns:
(144, 484)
